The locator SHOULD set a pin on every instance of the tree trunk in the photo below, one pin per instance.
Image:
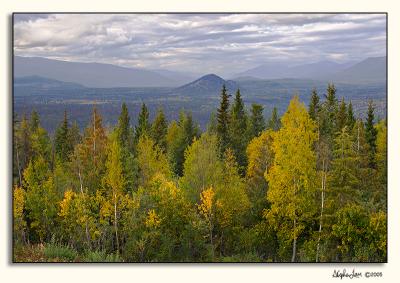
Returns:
(211, 240)
(294, 241)
(19, 167)
(323, 184)
(115, 222)
(86, 222)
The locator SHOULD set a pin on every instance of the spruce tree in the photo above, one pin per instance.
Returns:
(34, 122)
(329, 112)
(124, 128)
(238, 126)
(190, 130)
(257, 122)
(223, 120)
(351, 120)
(274, 123)
(62, 142)
(314, 107)
(159, 130)
(143, 127)
(371, 133)
(341, 117)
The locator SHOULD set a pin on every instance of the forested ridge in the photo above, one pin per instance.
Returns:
(309, 186)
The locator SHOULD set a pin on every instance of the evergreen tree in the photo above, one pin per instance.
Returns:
(190, 130)
(343, 180)
(75, 134)
(238, 126)
(371, 133)
(22, 146)
(62, 142)
(159, 130)
(341, 117)
(330, 108)
(223, 120)
(257, 122)
(143, 127)
(34, 122)
(351, 120)
(124, 127)
(274, 123)
(314, 107)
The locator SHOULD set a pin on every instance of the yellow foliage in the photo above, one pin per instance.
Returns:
(260, 157)
(152, 220)
(206, 203)
(18, 210)
(19, 202)
(66, 203)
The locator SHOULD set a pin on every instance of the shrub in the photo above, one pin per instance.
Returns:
(58, 251)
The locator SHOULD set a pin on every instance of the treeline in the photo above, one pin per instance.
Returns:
(309, 186)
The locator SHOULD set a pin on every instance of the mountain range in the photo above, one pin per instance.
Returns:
(94, 74)
(98, 75)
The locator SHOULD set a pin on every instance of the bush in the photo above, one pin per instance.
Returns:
(58, 251)
(101, 256)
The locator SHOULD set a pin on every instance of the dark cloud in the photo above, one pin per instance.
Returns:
(200, 43)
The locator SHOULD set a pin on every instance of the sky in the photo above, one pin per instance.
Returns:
(200, 43)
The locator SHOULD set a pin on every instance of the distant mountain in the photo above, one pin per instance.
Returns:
(282, 70)
(208, 84)
(89, 74)
(266, 71)
(37, 82)
(179, 78)
(370, 71)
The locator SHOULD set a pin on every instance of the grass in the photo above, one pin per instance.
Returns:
(101, 256)
(54, 252)
(58, 252)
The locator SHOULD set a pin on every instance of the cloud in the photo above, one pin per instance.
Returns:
(200, 43)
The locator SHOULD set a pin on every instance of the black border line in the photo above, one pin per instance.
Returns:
(287, 263)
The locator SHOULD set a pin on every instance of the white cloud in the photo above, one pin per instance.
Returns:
(200, 42)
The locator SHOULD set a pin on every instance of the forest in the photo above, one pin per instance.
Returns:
(309, 186)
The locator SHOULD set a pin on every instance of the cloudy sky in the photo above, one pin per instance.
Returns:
(200, 43)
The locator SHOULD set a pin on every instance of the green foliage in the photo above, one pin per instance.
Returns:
(41, 199)
(237, 127)
(123, 128)
(341, 117)
(179, 136)
(223, 120)
(371, 133)
(351, 120)
(101, 256)
(237, 192)
(34, 122)
(159, 130)
(202, 167)
(274, 123)
(143, 126)
(315, 106)
(151, 160)
(257, 122)
(61, 252)
(63, 144)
